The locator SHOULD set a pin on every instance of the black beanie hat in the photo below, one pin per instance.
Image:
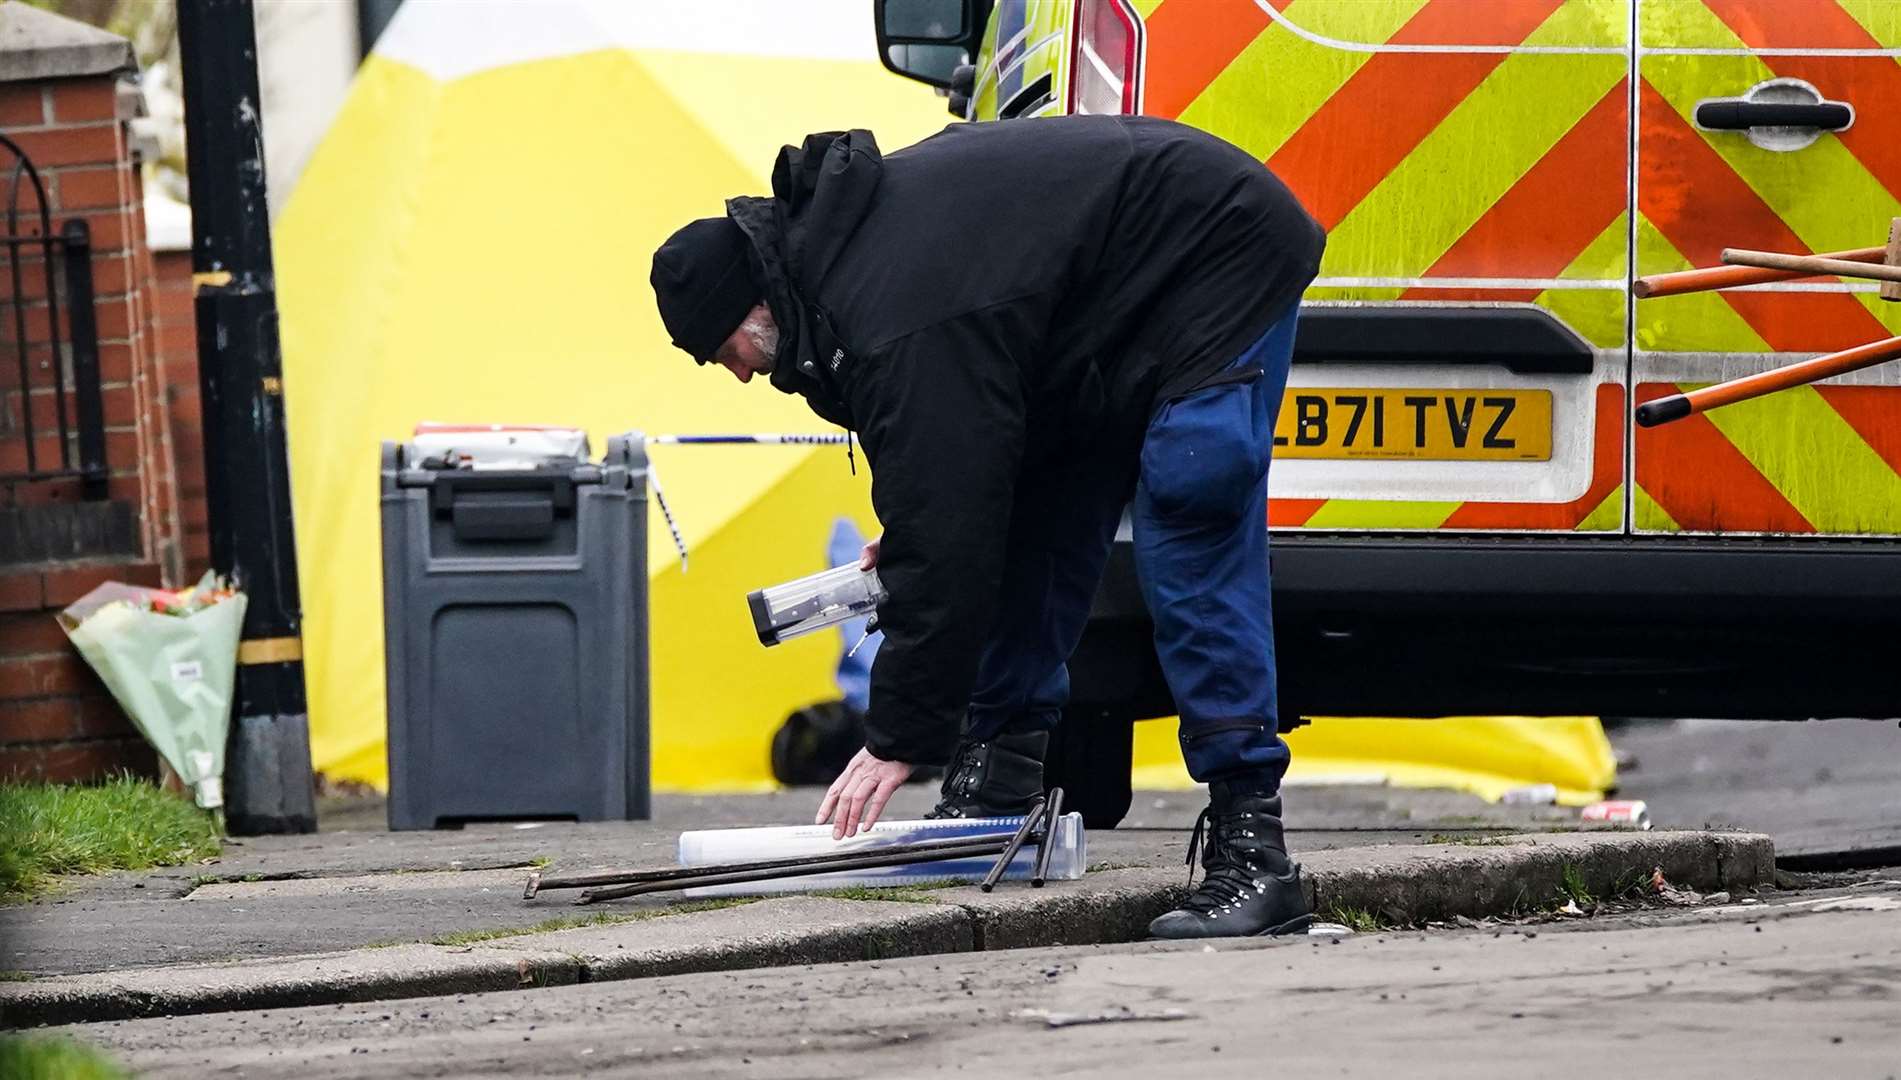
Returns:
(704, 285)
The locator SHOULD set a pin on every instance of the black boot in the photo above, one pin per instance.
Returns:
(998, 777)
(1249, 885)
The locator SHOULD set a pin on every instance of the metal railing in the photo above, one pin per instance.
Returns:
(57, 360)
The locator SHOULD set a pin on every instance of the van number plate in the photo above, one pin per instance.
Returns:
(1424, 425)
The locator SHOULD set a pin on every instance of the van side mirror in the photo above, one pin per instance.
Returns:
(926, 40)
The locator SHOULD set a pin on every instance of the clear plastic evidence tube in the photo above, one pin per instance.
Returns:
(708, 846)
(829, 597)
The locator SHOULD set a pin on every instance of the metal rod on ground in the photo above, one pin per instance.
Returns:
(868, 861)
(537, 883)
(1044, 849)
(1678, 406)
(1812, 264)
(1016, 842)
(1891, 256)
(1726, 277)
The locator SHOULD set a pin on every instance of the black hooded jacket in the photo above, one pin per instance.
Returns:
(995, 298)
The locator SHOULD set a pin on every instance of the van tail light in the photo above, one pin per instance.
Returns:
(1105, 59)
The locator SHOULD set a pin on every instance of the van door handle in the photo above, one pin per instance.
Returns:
(1738, 115)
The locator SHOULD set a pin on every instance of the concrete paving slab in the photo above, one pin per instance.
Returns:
(1402, 883)
(378, 887)
(402, 885)
(1363, 807)
(1782, 991)
(1106, 906)
(766, 933)
(1416, 883)
(121, 929)
(172, 920)
(357, 975)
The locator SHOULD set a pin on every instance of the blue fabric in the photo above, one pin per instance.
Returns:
(1061, 526)
(1200, 529)
(854, 669)
(1200, 518)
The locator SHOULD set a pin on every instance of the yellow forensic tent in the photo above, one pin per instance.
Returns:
(1484, 755)
(471, 242)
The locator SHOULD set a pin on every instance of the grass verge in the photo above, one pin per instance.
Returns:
(40, 1058)
(575, 922)
(1357, 919)
(1575, 888)
(123, 824)
(908, 893)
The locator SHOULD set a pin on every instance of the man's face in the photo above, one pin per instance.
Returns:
(752, 347)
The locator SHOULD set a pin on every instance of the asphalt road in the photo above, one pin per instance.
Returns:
(1825, 786)
(1799, 984)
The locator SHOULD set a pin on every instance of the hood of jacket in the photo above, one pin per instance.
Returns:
(821, 191)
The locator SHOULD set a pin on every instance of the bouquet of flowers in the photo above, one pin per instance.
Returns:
(170, 659)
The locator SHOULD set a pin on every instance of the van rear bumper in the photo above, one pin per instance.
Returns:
(1435, 626)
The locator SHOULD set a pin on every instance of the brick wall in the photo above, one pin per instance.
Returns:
(175, 330)
(55, 718)
(60, 724)
(72, 132)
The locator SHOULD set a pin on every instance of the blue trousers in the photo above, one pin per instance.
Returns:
(1199, 519)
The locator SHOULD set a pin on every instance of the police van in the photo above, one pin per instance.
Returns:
(1465, 518)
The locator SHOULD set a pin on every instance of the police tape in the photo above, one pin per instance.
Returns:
(833, 439)
(840, 438)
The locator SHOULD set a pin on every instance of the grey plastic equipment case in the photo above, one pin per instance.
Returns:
(515, 622)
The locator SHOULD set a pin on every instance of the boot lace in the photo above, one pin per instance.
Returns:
(1227, 879)
(964, 779)
(960, 781)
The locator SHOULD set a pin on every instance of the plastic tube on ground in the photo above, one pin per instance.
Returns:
(704, 847)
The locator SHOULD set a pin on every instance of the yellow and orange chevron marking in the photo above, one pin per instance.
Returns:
(1410, 158)
(1393, 102)
(1827, 459)
(1574, 174)
(1698, 193)
(1503, 171)
(1818, 459)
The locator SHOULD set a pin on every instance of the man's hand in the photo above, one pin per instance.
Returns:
(860, 792)
(868, 558)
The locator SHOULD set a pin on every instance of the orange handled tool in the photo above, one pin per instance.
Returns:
(1677, 406)
(1725, 277)
(1811, 264)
